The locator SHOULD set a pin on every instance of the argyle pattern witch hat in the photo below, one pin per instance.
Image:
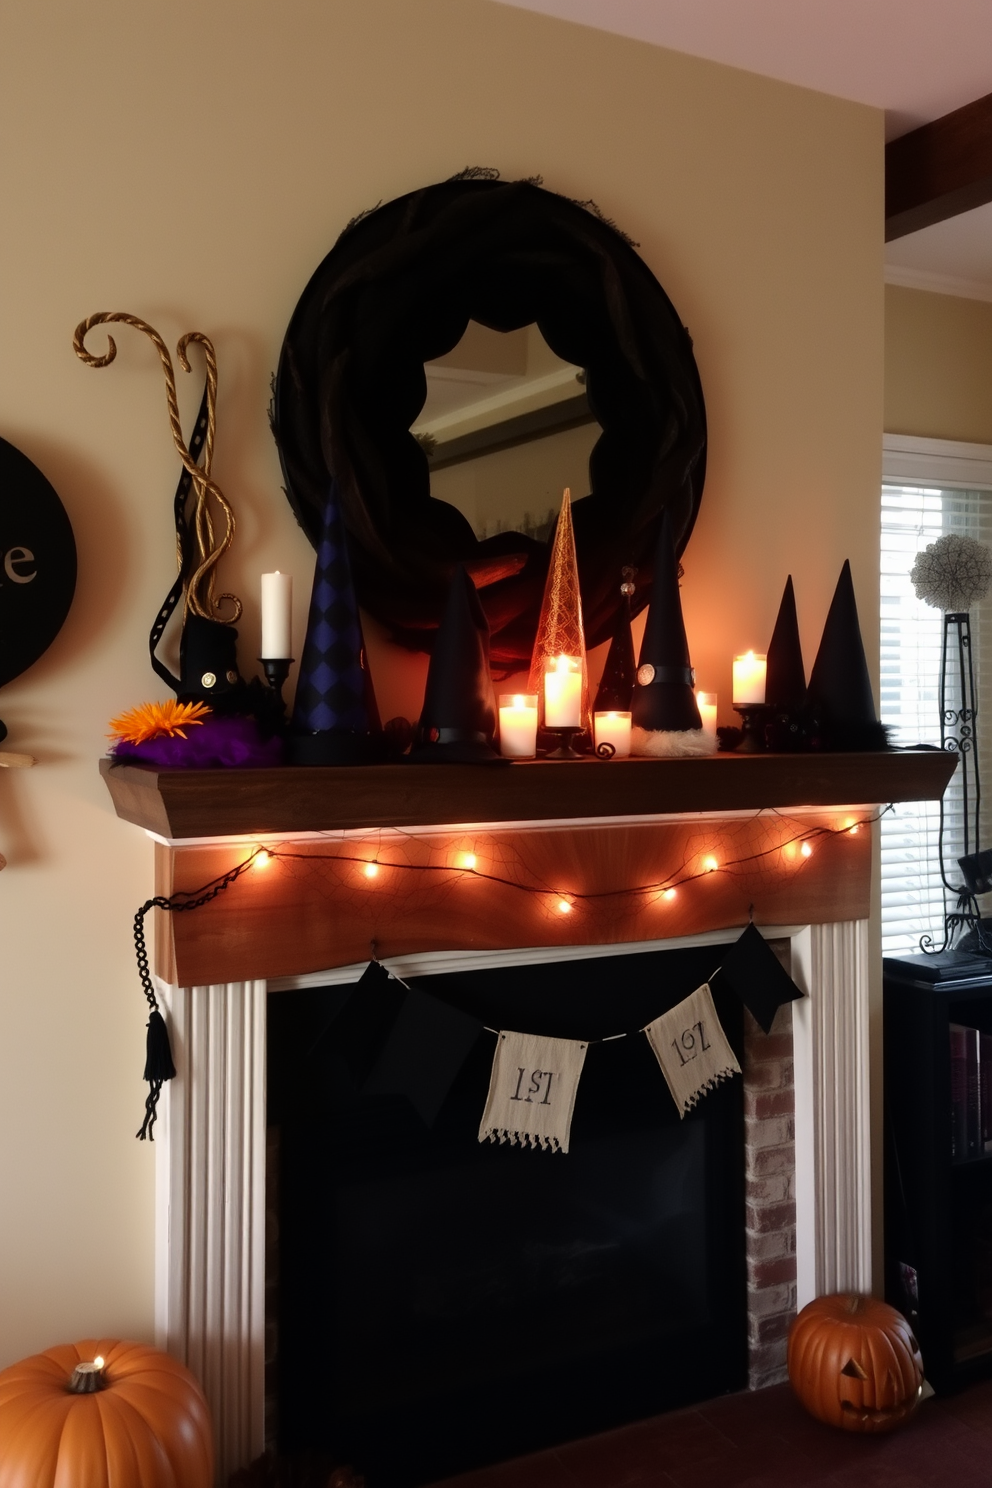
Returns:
(331, 721)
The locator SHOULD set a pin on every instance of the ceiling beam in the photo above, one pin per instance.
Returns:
(939, 170)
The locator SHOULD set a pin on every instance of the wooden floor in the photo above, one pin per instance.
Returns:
(766, 1440)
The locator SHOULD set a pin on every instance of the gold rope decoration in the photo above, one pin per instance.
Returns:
(200, 597)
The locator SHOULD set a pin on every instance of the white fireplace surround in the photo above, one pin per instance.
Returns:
(210, 1152)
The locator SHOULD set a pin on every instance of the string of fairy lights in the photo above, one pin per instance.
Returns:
(797, 848)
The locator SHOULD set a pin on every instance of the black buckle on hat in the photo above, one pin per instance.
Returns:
(686, 675)
(436, 735)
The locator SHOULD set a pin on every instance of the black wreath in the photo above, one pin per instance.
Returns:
(397, 290)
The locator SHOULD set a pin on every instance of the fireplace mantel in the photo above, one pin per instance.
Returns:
(588, 825)
(178, 804)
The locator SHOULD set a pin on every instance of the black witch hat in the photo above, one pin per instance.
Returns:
(665, 718)
(458, 721)
(208, 666)
(616, 686)
(788, 724)
(331, 717)
(839, 691)
(785, 679)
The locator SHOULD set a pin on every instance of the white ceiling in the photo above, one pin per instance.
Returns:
(916, 59)
(952, 257)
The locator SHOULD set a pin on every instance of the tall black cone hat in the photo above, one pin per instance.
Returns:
(616, 687)
(458, 721)
(785, 681)
(332, 719)
(839, 685)
(663, 697)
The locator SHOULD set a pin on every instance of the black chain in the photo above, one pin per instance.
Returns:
(185, 899)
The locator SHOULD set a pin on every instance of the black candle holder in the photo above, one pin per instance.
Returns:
(276, 671)
(754, 718)
(564, 737)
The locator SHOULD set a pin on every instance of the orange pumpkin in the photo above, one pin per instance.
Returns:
(854, 1363)
(143, 1422)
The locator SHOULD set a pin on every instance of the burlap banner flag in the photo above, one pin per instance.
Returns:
(692, 1048)
(532, 1091)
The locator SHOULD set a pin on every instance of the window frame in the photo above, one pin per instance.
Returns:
(945, 465)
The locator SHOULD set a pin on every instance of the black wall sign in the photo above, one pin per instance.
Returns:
(37, 563)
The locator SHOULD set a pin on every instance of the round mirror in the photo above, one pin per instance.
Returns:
(477, 278)
(505, 427)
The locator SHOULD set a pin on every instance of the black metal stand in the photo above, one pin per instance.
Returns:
(276, 671)
(565, 737)
(754, 717)
(959, 732)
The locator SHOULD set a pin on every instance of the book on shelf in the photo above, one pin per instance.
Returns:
(971, 1092)
(959, 1091)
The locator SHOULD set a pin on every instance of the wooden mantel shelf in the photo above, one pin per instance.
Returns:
(178, 804)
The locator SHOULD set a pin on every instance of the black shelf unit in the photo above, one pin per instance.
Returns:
(938, 1208)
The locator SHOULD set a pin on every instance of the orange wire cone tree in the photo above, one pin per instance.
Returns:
(560, 645)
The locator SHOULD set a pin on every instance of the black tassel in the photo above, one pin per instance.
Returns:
(158, 1055)
(158, 1068)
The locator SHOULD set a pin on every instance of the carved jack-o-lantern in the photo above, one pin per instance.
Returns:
(854, 1363)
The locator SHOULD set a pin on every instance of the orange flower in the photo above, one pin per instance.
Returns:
(152, 720)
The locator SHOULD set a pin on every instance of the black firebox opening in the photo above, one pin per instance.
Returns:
(446, 1303)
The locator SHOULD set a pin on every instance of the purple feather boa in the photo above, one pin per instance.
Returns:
(218, 743)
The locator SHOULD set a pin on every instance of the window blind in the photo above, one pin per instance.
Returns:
(913, 896)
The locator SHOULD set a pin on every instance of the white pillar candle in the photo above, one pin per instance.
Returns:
(277, 616)
(613, 728)
(563, 693)
(706, 703)
(749, 679)
(518, 725)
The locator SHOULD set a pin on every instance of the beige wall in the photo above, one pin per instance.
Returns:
(192, 163)
(938, 365)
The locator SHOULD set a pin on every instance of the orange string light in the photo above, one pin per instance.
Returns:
(801, 843)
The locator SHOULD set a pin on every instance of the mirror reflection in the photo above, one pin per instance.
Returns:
(506, 426)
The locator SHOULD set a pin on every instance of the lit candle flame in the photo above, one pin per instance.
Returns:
(710, 864)
(564, 907)
(98, 1361)
(371, 870)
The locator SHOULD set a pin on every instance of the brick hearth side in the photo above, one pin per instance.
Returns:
(770, 1177)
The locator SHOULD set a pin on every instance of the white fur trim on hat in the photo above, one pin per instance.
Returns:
(670, 743)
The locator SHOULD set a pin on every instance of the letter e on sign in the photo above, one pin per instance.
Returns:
(37, 563)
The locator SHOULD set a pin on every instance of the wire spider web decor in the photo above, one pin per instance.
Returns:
(324, 901)
(559, 628)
